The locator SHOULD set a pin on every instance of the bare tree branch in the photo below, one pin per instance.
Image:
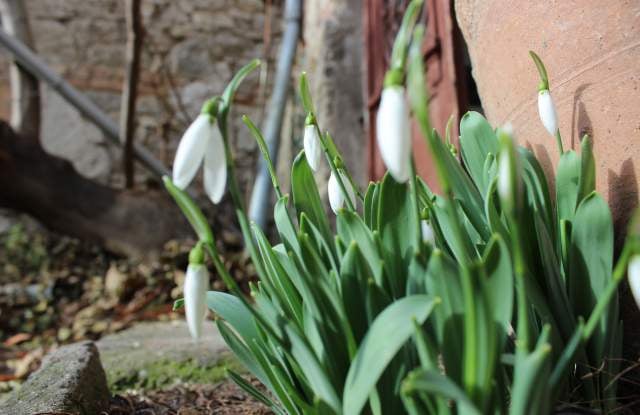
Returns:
(135, 33)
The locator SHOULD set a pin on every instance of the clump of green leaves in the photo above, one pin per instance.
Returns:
(510, 308)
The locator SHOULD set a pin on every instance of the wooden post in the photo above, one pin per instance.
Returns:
(135, 33)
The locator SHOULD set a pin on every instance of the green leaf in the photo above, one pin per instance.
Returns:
(553, 282)
(432, 382)
(178, 304)
(190, 210)
(591, 264)
(398, 232)
(350, 227)
(251, 390)
(308, 362)
(232, 87)
(388, 333)
(372, 205)
(587, 169)
(537, 188)
(242, 351)
(530, 384)
(284, 224)
(499, 286)
(465, 192)
(233, 310)
(306, 197)
(567, 184)
(354, 275)
(477, 141)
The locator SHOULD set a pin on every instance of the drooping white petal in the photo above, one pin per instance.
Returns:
(196, 285)
(191, 151)
(215, 167)
(633, 273)
(312, 147)
(336, 197)
(547, 112)
(393, 134)
(428, 236)
(505, 190)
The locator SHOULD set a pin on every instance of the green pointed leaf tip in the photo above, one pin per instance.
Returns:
(305, 95)
(178, 304)
(544, 79)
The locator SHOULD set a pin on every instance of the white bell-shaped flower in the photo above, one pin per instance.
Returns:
(336, 196)
(393, 133)
(633, 273)
(202, 141)
(215, 167)
(505, 184)
(196, 285)
(426, 230)
(547, 112)
(312, 146)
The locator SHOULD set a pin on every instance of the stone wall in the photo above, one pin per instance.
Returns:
(191, 49)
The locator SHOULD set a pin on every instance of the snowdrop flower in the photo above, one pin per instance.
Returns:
(312, 146)
(633, 273)
(202, 142)
(336, 198)
(507, 181)
(392, 131)
(196, 285)
(505, 188)
(547, 111)
(426, 230)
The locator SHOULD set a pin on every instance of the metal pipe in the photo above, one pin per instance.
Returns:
(273, 124)
(35, 65)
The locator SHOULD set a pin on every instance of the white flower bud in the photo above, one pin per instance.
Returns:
(196, 285)
(191, 150)
(547, 111)
(633, 273)
(428, 236)
(505, 190)
(312, 147)
(336, 197)
(393, 134)
(215, 167)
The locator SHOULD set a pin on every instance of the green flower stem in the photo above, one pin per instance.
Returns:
(236, 196)
(333, 167)
(559, 142)
(522, 330)
(262, 145)
(419, 104)
(399, 51)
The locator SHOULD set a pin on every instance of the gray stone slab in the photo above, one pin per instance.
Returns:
(71, 380)
(131, 354)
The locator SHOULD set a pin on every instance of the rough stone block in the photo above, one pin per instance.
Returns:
(71, 381)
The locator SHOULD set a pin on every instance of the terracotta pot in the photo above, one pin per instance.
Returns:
(592, 52)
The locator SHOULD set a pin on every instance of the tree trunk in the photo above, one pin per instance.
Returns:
(48, 188)
(25, 93)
